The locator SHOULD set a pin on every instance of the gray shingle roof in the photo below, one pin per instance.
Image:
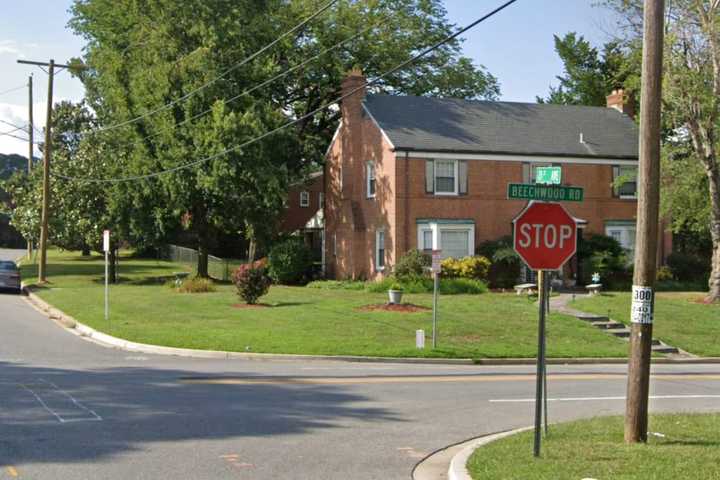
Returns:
(470, 126)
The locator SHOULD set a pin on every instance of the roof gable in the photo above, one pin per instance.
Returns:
(471, 126)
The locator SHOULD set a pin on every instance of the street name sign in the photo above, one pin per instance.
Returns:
(548, 175)
(547, 193)
(545, 235)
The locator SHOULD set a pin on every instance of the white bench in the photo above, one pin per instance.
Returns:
(528, 288)
(594, 288)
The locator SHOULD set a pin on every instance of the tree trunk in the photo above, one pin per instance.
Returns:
(85, 251)
(714, 187)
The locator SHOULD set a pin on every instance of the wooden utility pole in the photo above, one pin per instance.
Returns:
(646, 241)
(47, 150)
(31, 145)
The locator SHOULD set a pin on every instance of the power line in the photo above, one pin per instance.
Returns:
(17, 127)
(299, 119)
(258, 86)
(13, 89)
(207, 84)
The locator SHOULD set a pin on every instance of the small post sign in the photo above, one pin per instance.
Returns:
(436, 268)
(641, 310)
(106, 249)
(548, 175)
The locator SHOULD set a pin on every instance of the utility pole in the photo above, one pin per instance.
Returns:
(643, 294)
(31, 145)
(42, 266)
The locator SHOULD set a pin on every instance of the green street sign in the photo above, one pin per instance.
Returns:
(548, 175)
(547, 193)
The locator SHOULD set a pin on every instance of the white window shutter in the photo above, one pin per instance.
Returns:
(615, 175)
(462, 177)
(526, 173)
(429, 176)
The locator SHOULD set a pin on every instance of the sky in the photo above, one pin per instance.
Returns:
(516, 46)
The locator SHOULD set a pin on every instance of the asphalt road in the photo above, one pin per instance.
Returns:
(73, 409)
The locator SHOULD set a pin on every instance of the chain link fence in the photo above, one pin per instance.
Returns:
(218, 268)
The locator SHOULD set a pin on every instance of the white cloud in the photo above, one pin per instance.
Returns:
(18, 115)
(10, 47)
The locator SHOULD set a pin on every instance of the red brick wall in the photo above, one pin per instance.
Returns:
(296, 217)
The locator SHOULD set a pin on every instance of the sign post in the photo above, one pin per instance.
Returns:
(545, 237)
(106, 249)
(435, 268)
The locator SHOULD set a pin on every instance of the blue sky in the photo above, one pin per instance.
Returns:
(516, 46)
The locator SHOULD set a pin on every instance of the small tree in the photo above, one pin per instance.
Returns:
(290, 262)
(252, 281)
(412, 264)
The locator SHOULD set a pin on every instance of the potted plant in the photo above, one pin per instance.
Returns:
(395, 293)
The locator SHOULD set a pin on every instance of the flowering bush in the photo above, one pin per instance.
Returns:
(475, 268)
(252, 281)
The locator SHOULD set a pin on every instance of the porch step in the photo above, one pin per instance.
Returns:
(663, 348)
(608, 325)
(621, 332)
(593, 318)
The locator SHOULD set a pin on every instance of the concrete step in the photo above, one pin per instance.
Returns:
(593, 318)
(621, 332)
(611, 325)
(662, 348)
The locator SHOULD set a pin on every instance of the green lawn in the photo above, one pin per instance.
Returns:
(307, 320)
(679, 319)
(594, 449)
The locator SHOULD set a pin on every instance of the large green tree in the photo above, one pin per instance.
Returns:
(691, 97)
(146, 54)
(589, 74)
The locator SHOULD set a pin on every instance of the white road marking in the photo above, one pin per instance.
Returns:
(590, 399)
(94, 417)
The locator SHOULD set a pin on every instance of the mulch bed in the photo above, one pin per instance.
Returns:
(393, 307)
(247, 305)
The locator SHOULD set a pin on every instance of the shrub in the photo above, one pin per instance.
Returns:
(605, 256)
(688, 268)
(505, 268)
(476, 267)
(663, 274)
(395, 286)
(456, 286)
(252, 281)
(196, 285)
(290, 262)
(412, 264)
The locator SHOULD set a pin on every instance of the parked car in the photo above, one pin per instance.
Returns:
(9, 276)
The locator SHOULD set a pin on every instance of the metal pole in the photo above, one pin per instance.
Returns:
(540, 366)
(42, 267)
(31, 148)
(436, 285)
(546, 293)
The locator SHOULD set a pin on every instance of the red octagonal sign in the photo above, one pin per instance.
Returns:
(545, 235)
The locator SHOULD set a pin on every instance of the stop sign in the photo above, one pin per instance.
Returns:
(545, 235)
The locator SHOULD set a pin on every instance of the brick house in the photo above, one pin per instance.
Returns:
(304, 211)
(405, 172)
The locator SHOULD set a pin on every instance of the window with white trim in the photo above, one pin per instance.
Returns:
(427, 241)
(304, 199)
(627, 174)
(380, 250)
(455, 240)
(624, 233)
(446, 177)
(370, 176)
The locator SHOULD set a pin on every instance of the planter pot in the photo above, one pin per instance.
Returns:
(395, 296)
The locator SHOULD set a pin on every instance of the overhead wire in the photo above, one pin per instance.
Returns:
(296, 120)
(13, 89)
(210, 82)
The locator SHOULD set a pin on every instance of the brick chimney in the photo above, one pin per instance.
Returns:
(351, 106)
(621, 102)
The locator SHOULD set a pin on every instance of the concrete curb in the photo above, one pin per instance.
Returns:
(104, 339)
(458, 465)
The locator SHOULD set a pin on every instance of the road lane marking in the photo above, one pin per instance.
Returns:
(427, 379)
(590, 399)
(56, 389)
(12, 471)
